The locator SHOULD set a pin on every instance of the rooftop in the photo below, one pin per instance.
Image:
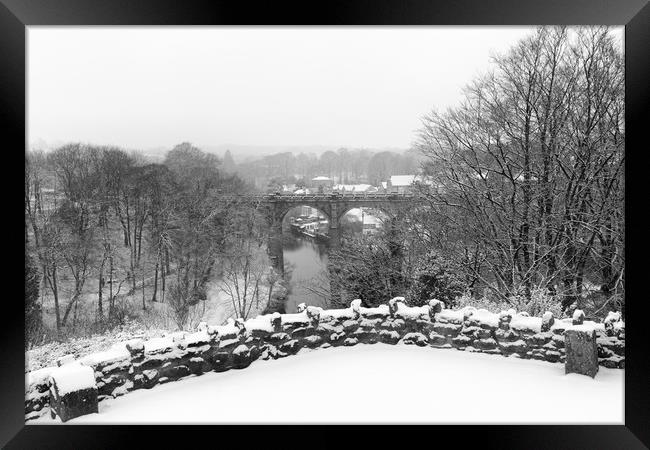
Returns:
(402, 180)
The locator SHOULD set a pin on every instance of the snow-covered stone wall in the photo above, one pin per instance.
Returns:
(143, 364)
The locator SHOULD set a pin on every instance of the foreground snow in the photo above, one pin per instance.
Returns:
(376, 383)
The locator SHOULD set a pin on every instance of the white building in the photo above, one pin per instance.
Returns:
(401, 184)
(322, 183)
(371, 224)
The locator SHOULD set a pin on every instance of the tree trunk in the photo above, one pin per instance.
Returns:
(100, 289)
(162, 285)
(155, 283)
(144, 305)
(110, 289)
(55, 293)
(69, 308)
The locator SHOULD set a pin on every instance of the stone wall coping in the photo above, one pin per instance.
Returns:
(457, 328)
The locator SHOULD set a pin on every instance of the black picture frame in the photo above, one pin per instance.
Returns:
(16, 15)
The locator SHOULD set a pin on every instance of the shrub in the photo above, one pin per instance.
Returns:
(367, 269)
(436, 277)
(184, 305)
(540, 302)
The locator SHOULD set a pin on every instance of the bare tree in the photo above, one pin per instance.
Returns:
(526, 172)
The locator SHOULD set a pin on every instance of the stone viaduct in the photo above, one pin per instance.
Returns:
(333, 205)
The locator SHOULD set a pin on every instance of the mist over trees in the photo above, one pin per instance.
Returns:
(345, 166)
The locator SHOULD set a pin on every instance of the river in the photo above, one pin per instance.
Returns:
(305, 261)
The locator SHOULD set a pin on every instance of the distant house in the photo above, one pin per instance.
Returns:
(400, 184)
(322, 183)
(308, 211)
(371, 225)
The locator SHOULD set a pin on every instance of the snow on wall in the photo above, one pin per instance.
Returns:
(138, 364)
(72, 377)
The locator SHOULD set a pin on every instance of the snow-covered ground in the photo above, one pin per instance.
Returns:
(376, 383)
(156, 321)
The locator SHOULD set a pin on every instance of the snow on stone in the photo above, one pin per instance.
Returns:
(198, 337)
(415, 312)
(72, 377)
(379, 310)
(192, 400)
(586, 326)
(135, 344)
(262, 323)
(451, 316)
(177, 336)
(225, 330)
(345, 313)
(484, 316)
(39, 376)
(578, 314)
(313, 311)
(612, 317)
(115, 354)
(47, 354)
(240, 350)
(525, 322)
(65, 360)
(561, 324)
(158, 344)
(295, 318)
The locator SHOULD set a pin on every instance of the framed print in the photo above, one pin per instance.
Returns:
(357, 213)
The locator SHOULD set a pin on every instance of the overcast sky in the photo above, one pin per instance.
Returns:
(151, 87)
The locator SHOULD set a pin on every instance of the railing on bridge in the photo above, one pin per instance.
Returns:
(330, 196)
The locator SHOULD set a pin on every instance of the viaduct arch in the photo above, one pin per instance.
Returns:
(334, 206)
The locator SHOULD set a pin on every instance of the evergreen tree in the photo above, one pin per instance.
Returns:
(228, 165)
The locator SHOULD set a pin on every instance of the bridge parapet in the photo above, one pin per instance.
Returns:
(327, 197)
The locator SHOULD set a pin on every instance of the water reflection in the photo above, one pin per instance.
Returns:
(305, 258)
(305, 262)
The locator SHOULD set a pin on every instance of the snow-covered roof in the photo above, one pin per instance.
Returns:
(408, 180)
(402, 180)
(321, 179)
